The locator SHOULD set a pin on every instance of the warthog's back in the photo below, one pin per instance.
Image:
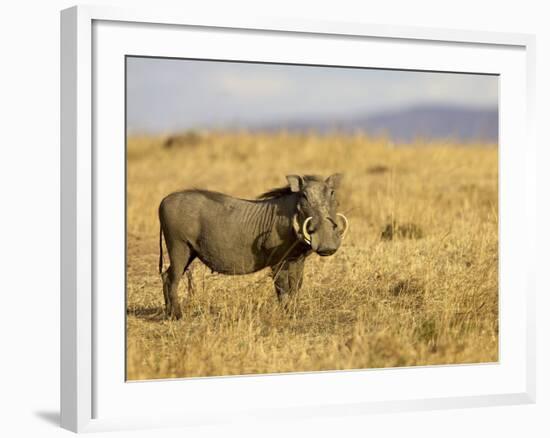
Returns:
(229, 235)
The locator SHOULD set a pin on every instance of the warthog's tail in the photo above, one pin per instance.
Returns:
(160, 246)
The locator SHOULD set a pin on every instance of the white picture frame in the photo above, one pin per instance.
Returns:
(93, 389)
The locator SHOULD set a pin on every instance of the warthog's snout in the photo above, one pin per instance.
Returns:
(326, 251)
(325, 236)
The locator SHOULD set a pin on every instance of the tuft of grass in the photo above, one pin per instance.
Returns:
(426, 296)
(187, 139)
(403, 231)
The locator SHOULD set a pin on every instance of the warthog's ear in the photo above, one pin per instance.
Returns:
(333, 181)
(295, 182)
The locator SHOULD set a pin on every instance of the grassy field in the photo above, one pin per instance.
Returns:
(414, 283)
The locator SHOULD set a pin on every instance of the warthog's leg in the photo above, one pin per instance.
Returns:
(181, 256)
(288, 279)
(166, 293)
(190, 282)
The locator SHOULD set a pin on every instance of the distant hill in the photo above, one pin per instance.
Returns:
(427, 121)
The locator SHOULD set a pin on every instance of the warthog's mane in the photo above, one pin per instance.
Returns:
(279, 192)
(275, 193)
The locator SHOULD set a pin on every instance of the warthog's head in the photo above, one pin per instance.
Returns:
(317, 221)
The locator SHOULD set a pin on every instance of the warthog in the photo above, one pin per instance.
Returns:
(236, 236)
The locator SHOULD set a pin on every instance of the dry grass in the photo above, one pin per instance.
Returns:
(426, 296)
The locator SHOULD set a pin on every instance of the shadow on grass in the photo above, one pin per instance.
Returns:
(146, 313)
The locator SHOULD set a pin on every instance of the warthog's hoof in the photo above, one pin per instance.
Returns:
(287, 303)
(174, 314)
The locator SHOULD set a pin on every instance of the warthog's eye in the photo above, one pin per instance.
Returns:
(332, 193)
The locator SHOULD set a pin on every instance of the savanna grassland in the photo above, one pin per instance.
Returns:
(415, 282)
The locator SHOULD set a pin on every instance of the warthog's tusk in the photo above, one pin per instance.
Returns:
(307, 236)
(347, 224)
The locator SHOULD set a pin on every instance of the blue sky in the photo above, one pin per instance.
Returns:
(172, 94)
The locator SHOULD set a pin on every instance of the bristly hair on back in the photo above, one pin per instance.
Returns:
(278, 192)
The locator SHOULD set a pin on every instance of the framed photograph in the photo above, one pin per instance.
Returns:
(282, 219)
